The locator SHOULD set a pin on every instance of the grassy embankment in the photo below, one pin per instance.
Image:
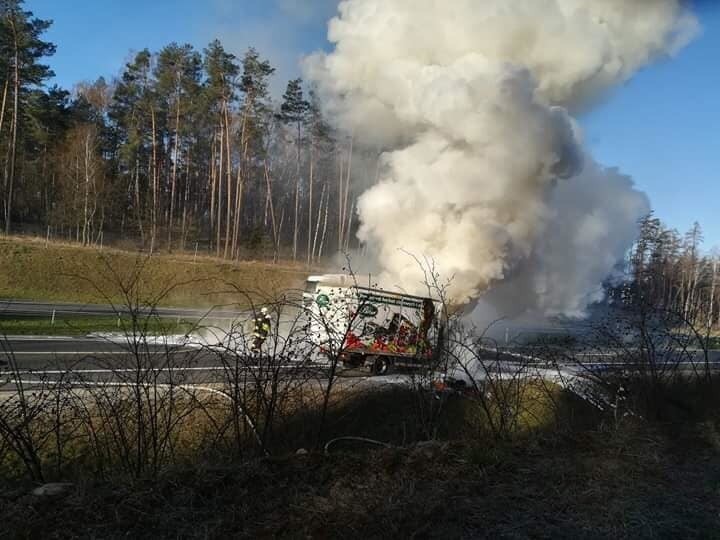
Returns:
(32, 270)
(80, 326)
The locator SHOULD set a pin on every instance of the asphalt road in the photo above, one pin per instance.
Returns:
(98, 359)
(16, 308)
(93, 360)
(36, 353)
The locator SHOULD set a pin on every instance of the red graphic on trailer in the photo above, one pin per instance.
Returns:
(382, 329)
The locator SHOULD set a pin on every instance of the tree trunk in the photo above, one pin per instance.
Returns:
(238, 213)
(46, 186)
(297, 193)
(346, 198)
(322, 239)
(154, 184)
(229, 183)
(241, 176)
(310, 247)
(186, 198)
(173, 179)
(86, 149)
(221, 169)
(319, 219)
(213, 172)
(138, 207)
(4, 102)
(341, 218)
(10, 175)
(351, 216)
(276, 237)
(280, 226)
(712, 296)
(76, 194)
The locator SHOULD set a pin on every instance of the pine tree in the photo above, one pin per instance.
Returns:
(320, 143)
(222, 72)
(178, 83)
(253, 129)
(293, 111)
(133, 116)
(48, 115)
(22, 50)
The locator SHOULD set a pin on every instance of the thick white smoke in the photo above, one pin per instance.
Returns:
(485, 171)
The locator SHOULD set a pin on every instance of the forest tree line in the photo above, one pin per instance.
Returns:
(188, 148)
(670, 273)
(184, 148)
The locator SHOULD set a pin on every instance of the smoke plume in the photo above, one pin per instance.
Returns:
(484, 170)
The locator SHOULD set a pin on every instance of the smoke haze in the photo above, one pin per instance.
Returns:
(484, 170)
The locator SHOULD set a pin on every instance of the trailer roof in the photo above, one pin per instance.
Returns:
(343, 280)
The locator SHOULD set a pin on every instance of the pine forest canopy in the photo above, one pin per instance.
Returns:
(186, 147)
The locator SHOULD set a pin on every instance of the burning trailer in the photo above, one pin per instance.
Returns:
(370, 327)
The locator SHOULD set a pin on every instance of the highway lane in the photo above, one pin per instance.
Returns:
(37, 350)
(37, 353)
(93, 360)
(96, 359)
(94, 356)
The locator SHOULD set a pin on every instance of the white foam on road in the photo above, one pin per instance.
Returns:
(170, 341)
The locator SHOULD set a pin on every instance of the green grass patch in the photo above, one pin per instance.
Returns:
(85, 326)
(33, 270)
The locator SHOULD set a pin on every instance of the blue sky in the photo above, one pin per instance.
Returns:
(662, 128)
(96, 37)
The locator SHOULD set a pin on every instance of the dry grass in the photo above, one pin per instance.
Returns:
(32, 270)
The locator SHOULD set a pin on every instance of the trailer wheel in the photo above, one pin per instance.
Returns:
(380, 365)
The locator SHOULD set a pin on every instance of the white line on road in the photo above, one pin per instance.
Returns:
(46, 338)
(62, 353)
(135, 370)
(89, 353)
(101, 371)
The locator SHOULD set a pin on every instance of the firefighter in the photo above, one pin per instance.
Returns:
(262, 330)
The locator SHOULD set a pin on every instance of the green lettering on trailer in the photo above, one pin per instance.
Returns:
(411, 303)
(368, 310)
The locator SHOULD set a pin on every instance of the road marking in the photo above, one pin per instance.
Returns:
(45, 338)
(156, 370)
(90, 353)
(99, 371)
(48, 353)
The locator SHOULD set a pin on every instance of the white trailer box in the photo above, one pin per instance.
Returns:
(368, 326)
